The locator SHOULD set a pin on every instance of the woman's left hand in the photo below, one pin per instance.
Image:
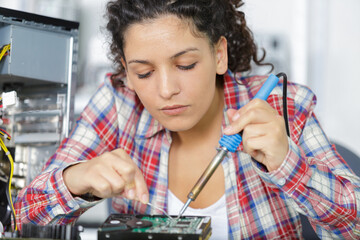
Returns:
(264, 134)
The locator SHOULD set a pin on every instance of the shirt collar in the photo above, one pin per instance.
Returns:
(148, 126)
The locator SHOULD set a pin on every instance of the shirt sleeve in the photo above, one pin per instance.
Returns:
(46, 199)
(316, 180)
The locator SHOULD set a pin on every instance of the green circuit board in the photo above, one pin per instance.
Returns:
(181, 225)
(155, 227)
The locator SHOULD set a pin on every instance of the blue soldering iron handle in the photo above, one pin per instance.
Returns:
(267, 87)
(231, 142)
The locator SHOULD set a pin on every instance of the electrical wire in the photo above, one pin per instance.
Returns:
(5, 134)
(8, 192)
(4, 51)
(284, 98)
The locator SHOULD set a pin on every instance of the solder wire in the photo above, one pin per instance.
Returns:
(11, 160)
(162, 210)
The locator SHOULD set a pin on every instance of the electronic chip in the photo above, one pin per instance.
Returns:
(155, 227)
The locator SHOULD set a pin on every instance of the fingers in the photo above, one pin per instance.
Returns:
(231, 113)
(108, 182)
(123, 165)
(104, 188)
(135, 186)
(267, 149)
(263, 132)
(141, 188)
(256, 111)
(112, 173)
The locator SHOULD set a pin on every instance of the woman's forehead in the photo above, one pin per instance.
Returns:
(163, 32)
(165, 24)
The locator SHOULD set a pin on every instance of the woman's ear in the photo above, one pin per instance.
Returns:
(128, 82)
(221, 56)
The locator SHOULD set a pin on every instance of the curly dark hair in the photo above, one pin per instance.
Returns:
(214, 18)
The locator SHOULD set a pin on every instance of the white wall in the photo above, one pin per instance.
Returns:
(340, 87)
(288, 21)
(324, 43)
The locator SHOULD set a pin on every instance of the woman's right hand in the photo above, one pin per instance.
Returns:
(110, 174)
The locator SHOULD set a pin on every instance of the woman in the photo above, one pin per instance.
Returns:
(153, 127)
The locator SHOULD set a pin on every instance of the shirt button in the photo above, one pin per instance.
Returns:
(281, 181)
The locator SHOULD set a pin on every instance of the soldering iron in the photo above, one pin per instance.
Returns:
(228, 143)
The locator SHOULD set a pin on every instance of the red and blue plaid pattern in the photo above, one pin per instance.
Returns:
(313, 179)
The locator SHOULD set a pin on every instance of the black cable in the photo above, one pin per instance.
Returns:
(8, 210)
(5, 210)
(284, 97)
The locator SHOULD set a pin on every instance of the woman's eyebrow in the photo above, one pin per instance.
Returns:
(185, 51)
(172, 57)
(139, 61)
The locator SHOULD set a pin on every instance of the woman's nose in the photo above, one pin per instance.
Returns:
(168, 85)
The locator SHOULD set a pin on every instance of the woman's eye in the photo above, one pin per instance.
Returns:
(188, 67)
(146, 75)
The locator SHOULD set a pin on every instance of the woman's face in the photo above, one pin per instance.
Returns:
(174, 72)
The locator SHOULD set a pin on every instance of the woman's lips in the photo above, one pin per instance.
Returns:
(174, 110)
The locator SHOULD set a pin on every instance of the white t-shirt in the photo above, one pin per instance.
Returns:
(217, 212)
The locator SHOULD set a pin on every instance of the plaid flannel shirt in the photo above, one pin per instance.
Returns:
(313, 179)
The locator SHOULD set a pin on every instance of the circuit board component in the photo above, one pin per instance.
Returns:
(127, 226)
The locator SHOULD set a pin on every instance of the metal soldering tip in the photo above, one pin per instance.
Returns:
(184, 208)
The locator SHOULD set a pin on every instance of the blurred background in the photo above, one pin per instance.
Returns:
(317, 43)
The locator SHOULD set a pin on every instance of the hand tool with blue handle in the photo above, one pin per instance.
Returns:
(227, 143)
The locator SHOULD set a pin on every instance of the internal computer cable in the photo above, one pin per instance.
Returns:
(5, 134)
(8, 191)
(4, 51)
